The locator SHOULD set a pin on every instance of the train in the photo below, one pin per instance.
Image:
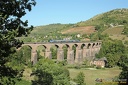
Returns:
(64, 41)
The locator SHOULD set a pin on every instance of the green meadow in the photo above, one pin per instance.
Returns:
(92, 74)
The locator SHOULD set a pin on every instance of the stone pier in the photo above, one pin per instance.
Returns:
(60, 54)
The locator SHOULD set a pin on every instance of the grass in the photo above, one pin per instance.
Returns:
(116, 33)
(26, 75)
(23, 82)
(114, 30)
(92, 74)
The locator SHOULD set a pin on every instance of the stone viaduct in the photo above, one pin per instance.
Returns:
(84, 50)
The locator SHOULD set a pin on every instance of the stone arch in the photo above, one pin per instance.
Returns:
(93, 49)
(26, 53)
(97, 43)
(25, 45)
(69, 46)
(41, 50)
(89, 45)
(60, 52)
(83, 45)
(93, 45)
(70, 53)
(48, 53)
(88, 51)
(84, 50)
(57, 46)
(98, 47)
(78, 53)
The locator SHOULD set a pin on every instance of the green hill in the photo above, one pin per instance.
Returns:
(111, 23)
(114, 31)
(115, 17)
(47, 29)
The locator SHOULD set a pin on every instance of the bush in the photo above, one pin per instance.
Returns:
(98, 67)
(77, 67)
(126, 42)
(47, 72)
(80, 79)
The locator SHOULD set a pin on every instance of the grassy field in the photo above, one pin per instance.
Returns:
(114, 31)
(92, 74)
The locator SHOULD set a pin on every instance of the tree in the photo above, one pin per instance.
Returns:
(47, 72)
(112, 50)
(125, 30)
(80, 79)
(123, 63)
(11, 25)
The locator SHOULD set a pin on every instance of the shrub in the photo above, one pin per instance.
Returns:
(98, 67)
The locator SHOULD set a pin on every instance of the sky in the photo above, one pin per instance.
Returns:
(69, 11)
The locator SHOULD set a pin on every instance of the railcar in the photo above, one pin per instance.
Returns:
(64, 41)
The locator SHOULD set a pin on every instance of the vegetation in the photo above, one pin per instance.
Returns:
(107, 25)
(123, 62)
(112, 50)
(49, 73)
(11, 25)
(80, 79)
(90, 75)
(125, 31)
(112, 18)
(46, 33)
(13, 64)
(112, 23)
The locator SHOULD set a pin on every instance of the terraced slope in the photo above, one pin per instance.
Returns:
(81, 30)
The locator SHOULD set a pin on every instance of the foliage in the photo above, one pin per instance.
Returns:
(65, 52)
(101, 23)
(50, 73)
(98, 67)
(112, 50)
(44, 33)
(126, 42)
(123, 62)
(23, 82)
(91, 74)
(24, 55)
(54, 52)
(80, 79)
(62, 63)
(11, 25)
(125, 30)
(99, 27)
(98, 36)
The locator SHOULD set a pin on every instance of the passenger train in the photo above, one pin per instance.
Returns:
(64, 41)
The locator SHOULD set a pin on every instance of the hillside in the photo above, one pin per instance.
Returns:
(80, 30)
(114, 31)
(111, 23)
(115, 17)
(47, 29)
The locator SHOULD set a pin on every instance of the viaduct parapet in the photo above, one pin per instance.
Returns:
(84, 50)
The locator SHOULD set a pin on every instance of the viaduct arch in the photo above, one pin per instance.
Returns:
(84, 50)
